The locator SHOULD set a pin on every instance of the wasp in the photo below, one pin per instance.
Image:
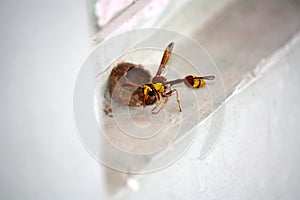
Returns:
(153, 90)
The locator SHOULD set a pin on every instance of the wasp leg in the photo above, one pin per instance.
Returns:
(158, 102)
(145, 98)
(177, 97)
(162, 106)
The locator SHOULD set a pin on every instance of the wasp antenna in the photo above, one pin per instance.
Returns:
(208, 77)
(128, 83)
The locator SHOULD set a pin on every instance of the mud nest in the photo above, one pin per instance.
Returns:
(127, 94)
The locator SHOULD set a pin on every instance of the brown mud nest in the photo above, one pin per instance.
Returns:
(125, 94)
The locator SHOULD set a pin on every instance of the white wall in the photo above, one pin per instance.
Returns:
(42, 46)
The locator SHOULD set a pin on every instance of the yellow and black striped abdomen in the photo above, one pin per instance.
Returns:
(194, 82)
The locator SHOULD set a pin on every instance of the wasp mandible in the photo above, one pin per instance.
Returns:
(158, 89)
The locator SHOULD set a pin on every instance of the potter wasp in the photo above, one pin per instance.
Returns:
(160, 89)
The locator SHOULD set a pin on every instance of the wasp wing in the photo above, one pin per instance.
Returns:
(165, 59)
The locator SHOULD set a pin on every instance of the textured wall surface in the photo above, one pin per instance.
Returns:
(257, 156)
(238, 40)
